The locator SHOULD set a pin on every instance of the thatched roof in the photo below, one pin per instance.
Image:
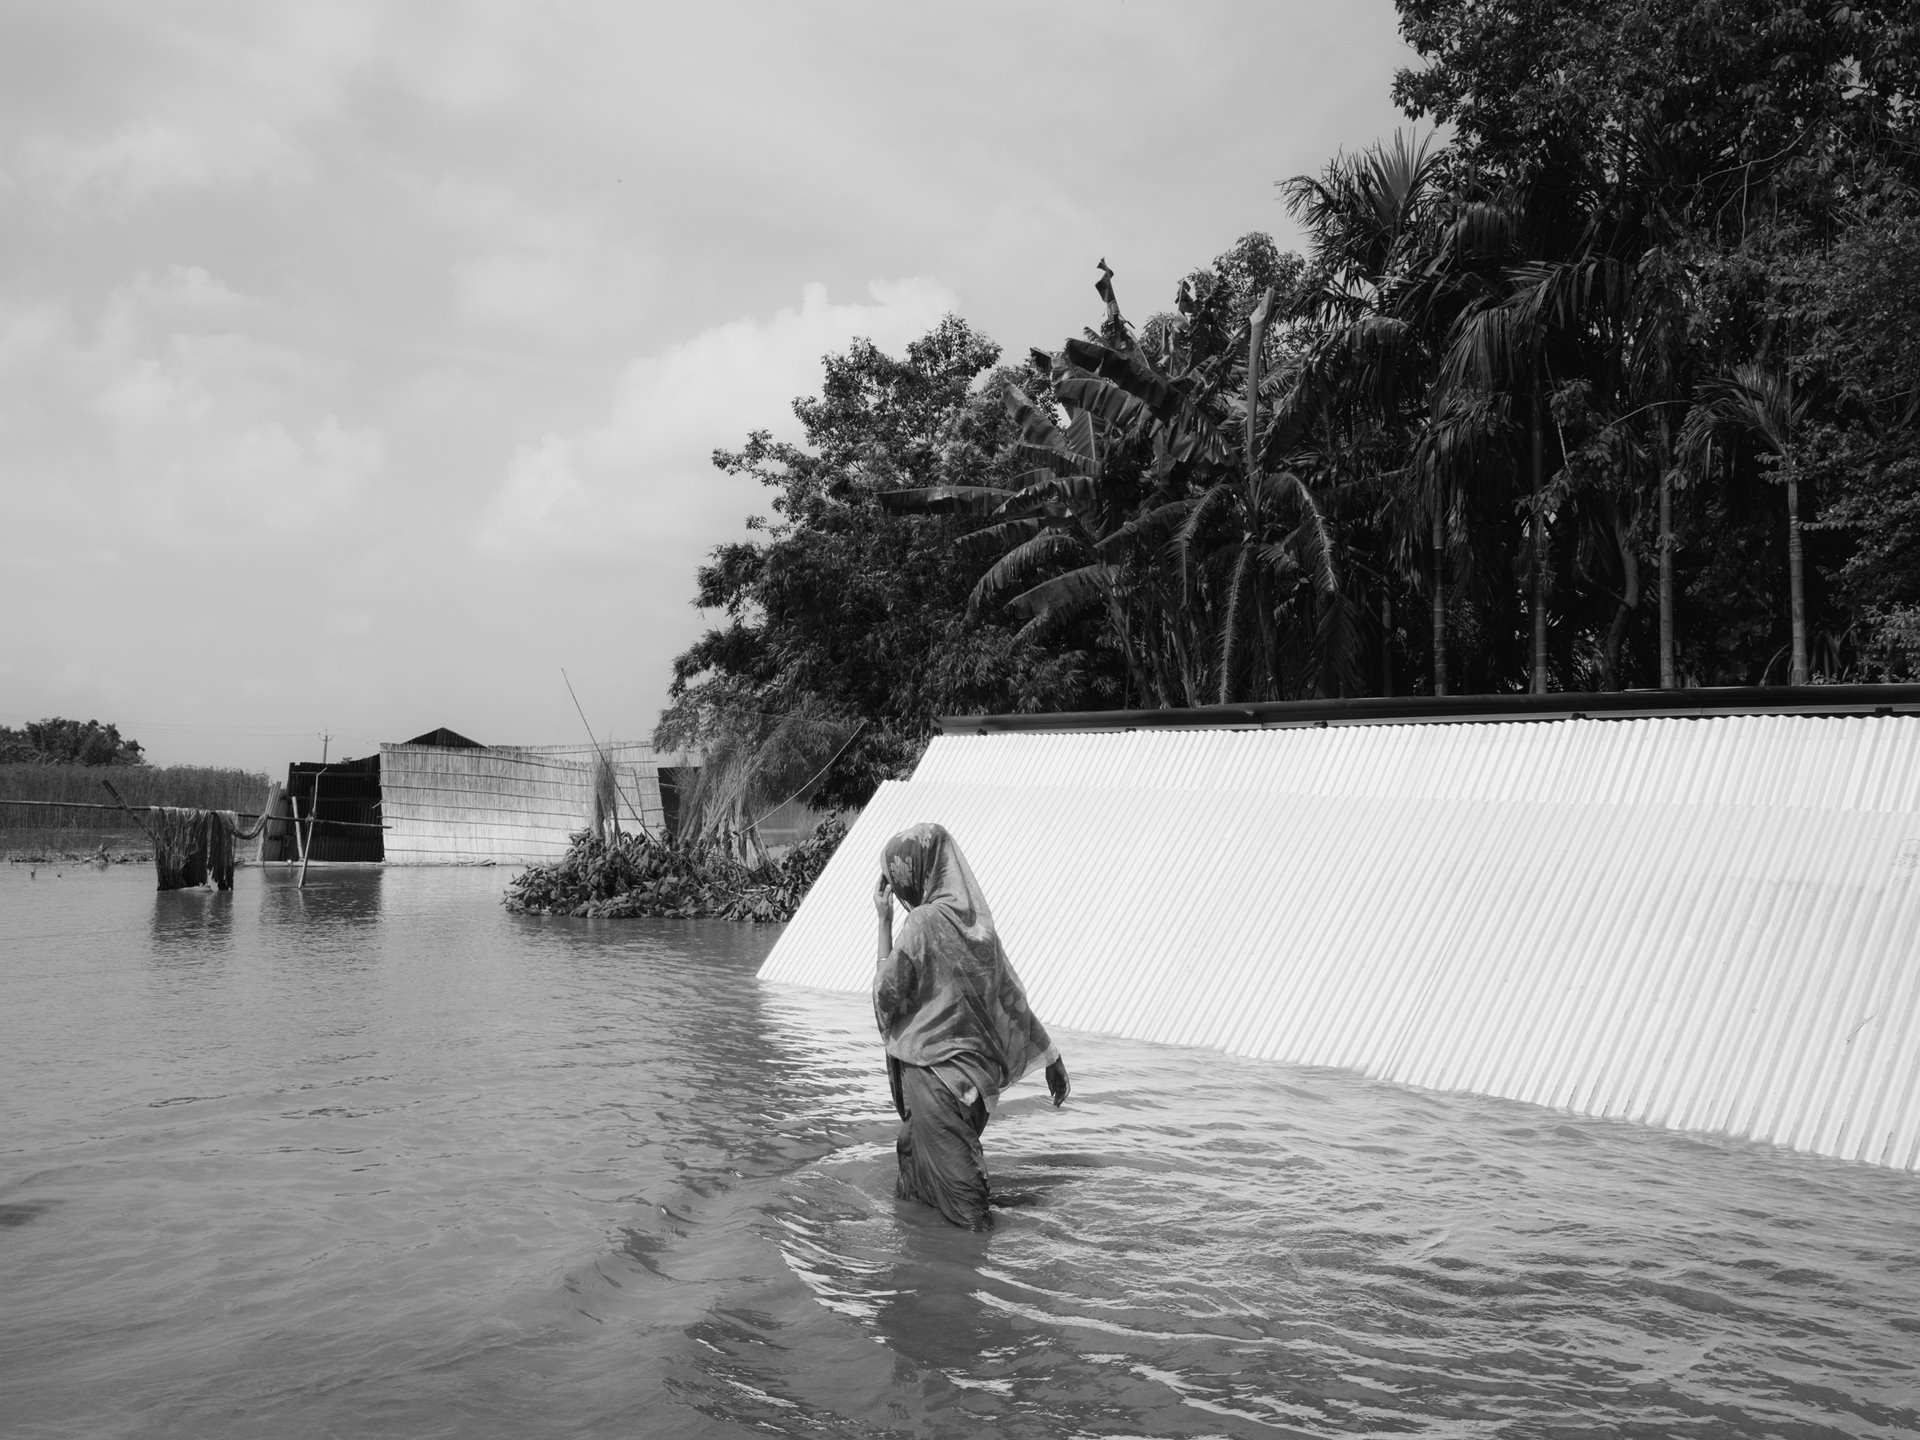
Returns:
(446, 739)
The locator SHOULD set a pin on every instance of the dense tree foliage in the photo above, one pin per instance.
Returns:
(1692, 187)
(59, 741)
(847, 615)
(1618, 387)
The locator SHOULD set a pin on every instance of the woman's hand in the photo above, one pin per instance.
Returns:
(893, 1084)
(1058, 1086)
(883, 899)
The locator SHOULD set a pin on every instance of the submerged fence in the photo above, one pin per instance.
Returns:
(1709, 924)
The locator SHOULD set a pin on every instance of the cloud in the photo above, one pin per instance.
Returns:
(646, 476)
(456, 327)
(540, 481)
(558, 271)
(152, 155)
(516, 289)
(159, 99)
(161, 430)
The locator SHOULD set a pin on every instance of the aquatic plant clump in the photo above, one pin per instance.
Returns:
(641, 875)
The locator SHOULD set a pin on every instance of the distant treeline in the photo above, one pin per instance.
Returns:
(200, 786)
(59, 741)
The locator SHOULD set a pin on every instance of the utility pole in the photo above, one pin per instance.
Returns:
(325, 740)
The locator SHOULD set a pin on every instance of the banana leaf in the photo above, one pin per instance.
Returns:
(1104, 400)
(1130, 371)
(1001, 536)
(1038, 433)
(1067, 594)
(1020, 564)
(944, 500)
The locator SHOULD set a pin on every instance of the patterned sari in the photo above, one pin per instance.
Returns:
(956, 1022)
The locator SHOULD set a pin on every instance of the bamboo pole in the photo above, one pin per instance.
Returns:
(134, 810)
(618, 796)
(129, 809)
(313, 813)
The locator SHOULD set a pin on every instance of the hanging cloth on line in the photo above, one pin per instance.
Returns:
(191, 847)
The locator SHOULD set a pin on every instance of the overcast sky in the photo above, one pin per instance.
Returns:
(360, 363)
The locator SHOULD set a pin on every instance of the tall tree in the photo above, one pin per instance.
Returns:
(1360, 390)
(1761, 405)
(1860, 306)
(838, 610)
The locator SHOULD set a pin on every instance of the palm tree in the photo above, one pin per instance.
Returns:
(1657, 383)
(1373, 217)
(1499, 345)
(1761, 405)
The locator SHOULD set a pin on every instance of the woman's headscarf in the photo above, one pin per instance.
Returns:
(926, 867)
(956, 993)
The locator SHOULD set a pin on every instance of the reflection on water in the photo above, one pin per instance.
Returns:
(376, 1158)
(191, 927)
(332, 900)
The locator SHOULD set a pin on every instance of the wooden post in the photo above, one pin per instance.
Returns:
(269, 821)
(306, 851)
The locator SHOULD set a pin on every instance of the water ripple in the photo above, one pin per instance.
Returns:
(377, 1159)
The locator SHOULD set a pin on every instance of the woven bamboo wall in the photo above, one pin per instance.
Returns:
(507, 804)
(636, 771)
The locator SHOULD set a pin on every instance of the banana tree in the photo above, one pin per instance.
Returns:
(1063, 535)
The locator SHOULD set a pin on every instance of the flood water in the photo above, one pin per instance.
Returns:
(378, 1159)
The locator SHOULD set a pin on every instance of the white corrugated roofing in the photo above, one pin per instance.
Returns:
(1708, 924)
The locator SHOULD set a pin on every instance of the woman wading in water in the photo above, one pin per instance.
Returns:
(955, 1018)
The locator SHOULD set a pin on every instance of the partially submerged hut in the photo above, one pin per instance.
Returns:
(449, 800)
(344, 797)
(444, 799)
(1699, 910)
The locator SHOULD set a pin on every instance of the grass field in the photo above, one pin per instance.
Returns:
(201, 786)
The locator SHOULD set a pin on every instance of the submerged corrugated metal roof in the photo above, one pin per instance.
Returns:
(1707, 924)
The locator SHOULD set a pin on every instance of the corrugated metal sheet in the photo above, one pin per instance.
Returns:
(1706, 924)
(501, 804)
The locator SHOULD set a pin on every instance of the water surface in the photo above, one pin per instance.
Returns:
(376, 1158)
